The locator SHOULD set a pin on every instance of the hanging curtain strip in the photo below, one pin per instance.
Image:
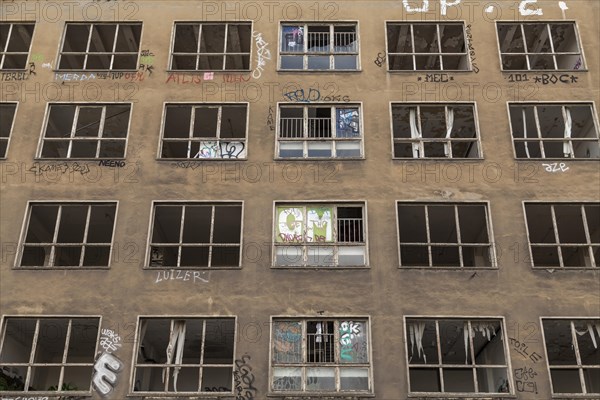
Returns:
(568, 126)
(414, 132)
(449, 126)
(524, 116)
(143, 328)
(175, 349)
(466, 333)
(179, 353)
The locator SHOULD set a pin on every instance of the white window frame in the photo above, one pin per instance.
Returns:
(550, 54)
(459, 244)
(12, 127)
(4, 52)
(334, 245)
(305, 53)
(589, 245)
(540, 138)
(31, 364)
(439, 54)
(579, 367)
(87, 52)
(241, 155)
(198, 53)
(180, 244)
(72, 138)
(305, 139)
(337, 364)
(440, 365)
(418, 141)
(178, 394)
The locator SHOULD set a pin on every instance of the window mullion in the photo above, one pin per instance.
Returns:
(64, 358)
(200, 33)
(212, 232)
(421, 141)
(412, 41)
(332, 127)
(202, 355)
(101, 131)
(439, 347)
(525, 46)
(331, 47)
(549, 33)
(428, 231)
(33, 350)
(219, 121)
(556, 237)
(588, 237)
(55, 237)
(85, 234)
(191, 132)
(337, 349)
(492, 247)
(114, 48)
(305, 130)
(180, 246)
(73, 130)
(304, 355)
(439, 43)
(472, 350)
(225, 48)
(577, 356)
(539, 131)
(87, 47)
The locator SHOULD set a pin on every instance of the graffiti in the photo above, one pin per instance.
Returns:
(106, 369)
(232, 78)
(555, 167)
(209, 76)
(522, 349)
(348, 332)
(47, 65)
(518, 78)
(14, 76)
(319, 227)
(110, 340)
(546, 79)
(244, 378)
(529, 11)
(286, 383)
(471, 49)
(32, 68)
(62, 168)
(525, 380)
(36, 57)
(112, 163)
(300, 96)
(216, 389)
(262, 55)
(437, 78)
(171, 275)
(184, 79)
(219, 149)
(380, 59)
(287, 342)
(271, 119)
(78, 77)
(290, 224)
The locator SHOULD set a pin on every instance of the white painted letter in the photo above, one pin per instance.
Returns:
(524, 11)
(408, 8)
(445, 5)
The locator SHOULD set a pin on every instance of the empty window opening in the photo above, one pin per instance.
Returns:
(572, 349)
(319, 47)
(196, 235)
(185, 355)
(211, 46)
(86, 131)
(204, 131)
(54, 354)
(446, 235)
(564, 235)
(7, 117)
(15, 43)
(456, 356)
(435, 131)
(320, 235)
(68, 235)
(323, 131)
(426, 47)
(554, 131)
(539, 46)
(320, 355)
(100, 46)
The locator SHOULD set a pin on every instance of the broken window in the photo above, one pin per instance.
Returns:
(564, 235)
(211, 46)
(15, 43)
(446, 235)
(319, 131)
(204, 131)
(427, 47)
(457, 356)
(184, 355)
(539, 46)
(320, 355)
(435, 131)
(320, 235)
(554, 130)
(68, 235)
(102, 46)
(86, 131)
(7, 117)
(319, 47)
(573, 354)
(48, 354)
(196, 235)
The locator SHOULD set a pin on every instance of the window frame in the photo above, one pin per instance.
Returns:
(72, 139)
(63, 364)
(305, 139)
(192, 139)
(169, 66)
(552, 54)
(172, 317)
(334, 245)
(542, 139)
(3, 52)
(336, 318)
(579, 366)
(12, 128)
(60, 203)
(494, 262)
(440, 54)
(305, 54)
(182, 203)
(63, 36)
(461, 318)
(558, 245)
(476, 139)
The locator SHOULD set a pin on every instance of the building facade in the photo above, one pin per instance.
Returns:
(300, 200)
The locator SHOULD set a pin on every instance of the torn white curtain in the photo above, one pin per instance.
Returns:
(590, 330)
(449, 126)
(416, 331)
(486, 329)
(175, 348)
(414, 132)
(524, 116)
(567, 148)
